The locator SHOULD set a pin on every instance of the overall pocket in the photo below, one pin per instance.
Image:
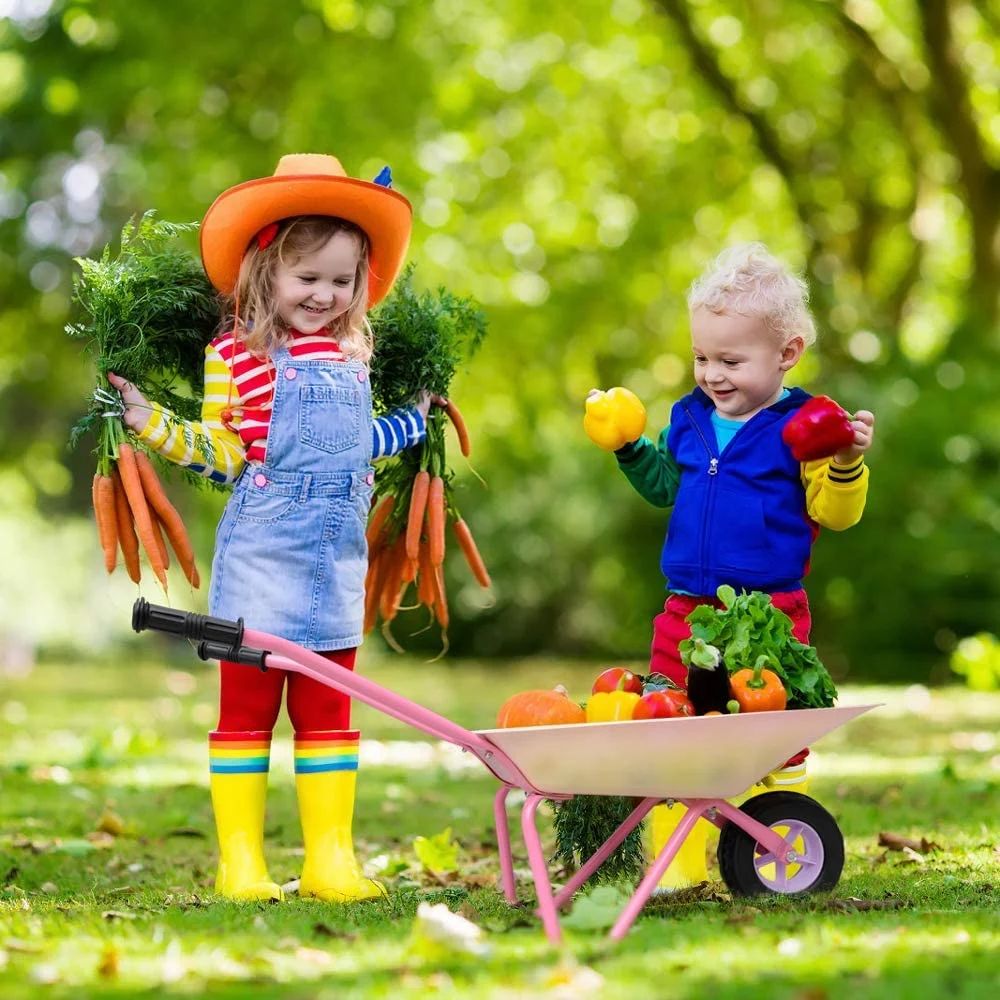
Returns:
(329, 418)
(263, 507)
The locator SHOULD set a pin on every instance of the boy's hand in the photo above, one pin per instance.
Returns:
(137, 408)
(864, 432)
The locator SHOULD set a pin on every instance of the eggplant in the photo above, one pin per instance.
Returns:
(707, 680)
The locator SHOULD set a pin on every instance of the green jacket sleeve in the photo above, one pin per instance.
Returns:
(651, 469)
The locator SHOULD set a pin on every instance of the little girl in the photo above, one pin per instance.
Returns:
(287, 419)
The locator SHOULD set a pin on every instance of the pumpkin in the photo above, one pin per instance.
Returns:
(539, 708)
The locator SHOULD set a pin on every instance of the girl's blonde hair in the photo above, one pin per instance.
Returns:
(748, 280)
(253, 306)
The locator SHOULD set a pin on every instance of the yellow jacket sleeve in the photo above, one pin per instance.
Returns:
(205, 446)
(835, 494)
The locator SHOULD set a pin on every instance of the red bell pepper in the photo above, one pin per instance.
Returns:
(819, 428)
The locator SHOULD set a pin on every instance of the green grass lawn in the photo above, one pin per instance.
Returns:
(129, 910)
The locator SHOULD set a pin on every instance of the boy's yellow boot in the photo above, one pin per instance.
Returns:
(238, 765)
(688, 866)
(790, 778)
(326, 771)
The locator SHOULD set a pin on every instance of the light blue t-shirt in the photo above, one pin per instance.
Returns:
(726, 429)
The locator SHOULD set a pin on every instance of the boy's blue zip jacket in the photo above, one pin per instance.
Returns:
(740, 517)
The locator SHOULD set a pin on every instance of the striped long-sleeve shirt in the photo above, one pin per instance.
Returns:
(244, 385)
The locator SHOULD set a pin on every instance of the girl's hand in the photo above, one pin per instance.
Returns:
(425, 400)
(864, 432)
(137, 408)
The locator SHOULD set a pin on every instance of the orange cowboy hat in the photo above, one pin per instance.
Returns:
(306, 184)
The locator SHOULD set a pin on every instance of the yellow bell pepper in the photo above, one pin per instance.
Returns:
(611, 706)
(614, 418)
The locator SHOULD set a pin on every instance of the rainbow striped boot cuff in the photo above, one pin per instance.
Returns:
(239, 753)
(322, 752)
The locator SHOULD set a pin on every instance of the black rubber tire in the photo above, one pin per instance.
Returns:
(738, 850)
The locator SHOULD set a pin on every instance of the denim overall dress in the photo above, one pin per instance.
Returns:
(290, 551)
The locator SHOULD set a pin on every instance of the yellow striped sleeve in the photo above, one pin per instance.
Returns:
(205, 446)
(835, 494)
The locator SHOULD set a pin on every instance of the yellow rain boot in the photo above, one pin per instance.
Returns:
(688, 867)
(790, 778)
(326, 771)
(238, 765)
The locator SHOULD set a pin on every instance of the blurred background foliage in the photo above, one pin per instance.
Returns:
(573, 167)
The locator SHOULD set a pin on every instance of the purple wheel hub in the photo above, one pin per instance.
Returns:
(807, 846)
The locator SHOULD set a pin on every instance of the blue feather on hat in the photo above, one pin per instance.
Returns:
(384, 178)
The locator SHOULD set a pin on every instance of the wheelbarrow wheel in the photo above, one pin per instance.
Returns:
(749, 869)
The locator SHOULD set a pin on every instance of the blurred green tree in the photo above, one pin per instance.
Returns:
(573, 167)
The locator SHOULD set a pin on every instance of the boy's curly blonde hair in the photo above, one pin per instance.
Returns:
(261, 327)
(748, 280)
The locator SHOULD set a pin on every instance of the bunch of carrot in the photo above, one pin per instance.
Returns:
(406, 531)
(131, 507)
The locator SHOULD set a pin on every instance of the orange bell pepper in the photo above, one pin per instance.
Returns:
(758, 690)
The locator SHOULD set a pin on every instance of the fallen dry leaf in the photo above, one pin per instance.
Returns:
(324, 931)
(742, 915)
(312, 956)
(852, 903)
(480, 880)
(24, 947)
(895, 842)
(22, 842)
(110, 822)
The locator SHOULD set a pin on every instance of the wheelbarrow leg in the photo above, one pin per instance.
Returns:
(655, 872)
(539, 870)
(503, 843)
(637, 815)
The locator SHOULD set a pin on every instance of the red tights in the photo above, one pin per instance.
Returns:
(250, 699)
(669, 628)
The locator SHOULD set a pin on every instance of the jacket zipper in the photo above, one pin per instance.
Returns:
(712, 470)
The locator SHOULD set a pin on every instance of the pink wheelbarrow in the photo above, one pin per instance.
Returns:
(780, 842)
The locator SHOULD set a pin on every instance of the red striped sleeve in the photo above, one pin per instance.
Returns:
(253, 383)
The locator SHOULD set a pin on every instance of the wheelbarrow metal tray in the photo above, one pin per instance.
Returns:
(716, 756)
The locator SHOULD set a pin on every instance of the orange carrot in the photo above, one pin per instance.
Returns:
(425, 577)
(140, 510)
(415, 518)
(409, 570)
(440, 600)
(173, 524)
(455, 415)
(126, 529)
(376, 570)
(379, 516)
(392, 585)
(103, 498)
(161, 545)
(468, 546)
(435, 520)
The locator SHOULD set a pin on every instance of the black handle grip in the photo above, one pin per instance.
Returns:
(186, 624)
(242, 654)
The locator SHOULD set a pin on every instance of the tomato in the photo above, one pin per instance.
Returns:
(664, 704)
(617, 679)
